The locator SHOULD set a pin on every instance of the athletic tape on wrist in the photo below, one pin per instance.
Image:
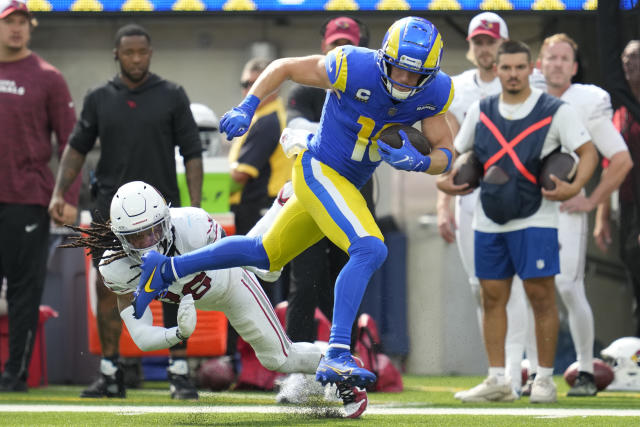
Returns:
(449, 158)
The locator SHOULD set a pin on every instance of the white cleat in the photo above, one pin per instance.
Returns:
(490, 390)
(543, 390)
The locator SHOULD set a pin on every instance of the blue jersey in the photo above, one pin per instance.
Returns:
(359, 108)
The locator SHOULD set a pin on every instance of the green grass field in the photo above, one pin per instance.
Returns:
(425, 401)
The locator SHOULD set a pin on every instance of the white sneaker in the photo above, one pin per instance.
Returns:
(298, 388)
(490, 390)
(543, 390)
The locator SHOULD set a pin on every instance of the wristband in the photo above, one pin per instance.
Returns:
(180, 336)
(250, 102)
(447, 152)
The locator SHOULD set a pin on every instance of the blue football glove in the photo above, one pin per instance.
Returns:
(404, 158)
(236, 122)
(156, 277)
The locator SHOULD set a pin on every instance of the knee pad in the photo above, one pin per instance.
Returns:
(369, 248)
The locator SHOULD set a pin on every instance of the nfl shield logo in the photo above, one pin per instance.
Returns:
(392, 111)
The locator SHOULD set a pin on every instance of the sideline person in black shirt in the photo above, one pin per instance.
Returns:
(139, 118)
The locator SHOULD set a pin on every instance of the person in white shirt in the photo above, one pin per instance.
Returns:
(515, 222)
(558, 63)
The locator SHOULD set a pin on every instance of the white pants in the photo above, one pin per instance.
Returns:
(249, 311)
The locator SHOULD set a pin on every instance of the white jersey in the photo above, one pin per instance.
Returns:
(593, 106)
(234, 291)
(193, 228)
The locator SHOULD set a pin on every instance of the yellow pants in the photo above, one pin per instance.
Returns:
(325, 204)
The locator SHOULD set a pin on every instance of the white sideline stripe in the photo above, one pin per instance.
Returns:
(540, 412)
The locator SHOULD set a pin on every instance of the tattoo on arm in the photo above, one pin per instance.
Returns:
(70, 166)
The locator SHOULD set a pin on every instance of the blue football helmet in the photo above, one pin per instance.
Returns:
(413, 44)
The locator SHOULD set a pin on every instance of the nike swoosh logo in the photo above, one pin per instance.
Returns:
(147, 287)
(30, 228)
(406, 158)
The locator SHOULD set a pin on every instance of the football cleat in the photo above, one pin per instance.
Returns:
(107, 386)
(584, 385)
(354, 399)
(12, 383)
(543, 390)
(490, 390)
(343, 369)
(181, 387)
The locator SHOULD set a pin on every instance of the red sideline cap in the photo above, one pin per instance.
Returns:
(342, 28)
(7, 7)
(488, 23)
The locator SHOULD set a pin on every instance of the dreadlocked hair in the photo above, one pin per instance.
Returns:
(98, 238)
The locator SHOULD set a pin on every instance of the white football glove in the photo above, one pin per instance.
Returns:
(186, 317)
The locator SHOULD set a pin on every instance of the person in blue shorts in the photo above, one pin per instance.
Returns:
(370, 90)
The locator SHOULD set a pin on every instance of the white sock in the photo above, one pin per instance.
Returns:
(107, 367)
(498, 372)
(179, 367)
(544, 372)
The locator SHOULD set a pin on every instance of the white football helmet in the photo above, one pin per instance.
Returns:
(208, 125)
(141, 220)
(624, 357)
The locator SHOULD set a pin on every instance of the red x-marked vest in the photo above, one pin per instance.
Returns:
(514, 146)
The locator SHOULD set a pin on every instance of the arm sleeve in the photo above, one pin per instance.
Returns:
(466, 135)
(62, 116)
(185, 130)
(84, 134)
(146, 336)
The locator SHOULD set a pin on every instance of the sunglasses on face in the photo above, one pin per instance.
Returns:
(246, 84)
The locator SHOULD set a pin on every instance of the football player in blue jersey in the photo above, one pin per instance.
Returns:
(400, 83)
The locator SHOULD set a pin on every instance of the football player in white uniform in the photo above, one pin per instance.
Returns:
(141, 221)
(487, 31)
(558, 63)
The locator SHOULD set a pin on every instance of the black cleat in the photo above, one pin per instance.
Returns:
(132, 372)
(107, 386)
(585, 385)
(181, 387)
(10, 383)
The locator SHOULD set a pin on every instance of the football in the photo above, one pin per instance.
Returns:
(391, 137)
(496, 175)
(469, 170)
(562, 165)
(601, 371)
(216, 373)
